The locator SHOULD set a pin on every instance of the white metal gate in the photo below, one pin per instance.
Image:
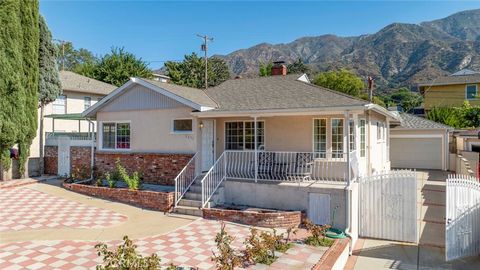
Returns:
(63, 162)
(388, 206)
(462, 228)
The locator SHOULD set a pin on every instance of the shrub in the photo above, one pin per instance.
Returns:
(80, 173)
(126, 257)
(261, 247)
(317, 232)
(227, 258)
(112, 182)
(133, 182)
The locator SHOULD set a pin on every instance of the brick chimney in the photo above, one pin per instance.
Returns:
(279, 68)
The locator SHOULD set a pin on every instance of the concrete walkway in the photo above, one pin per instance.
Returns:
(430, 252)
(140, 222)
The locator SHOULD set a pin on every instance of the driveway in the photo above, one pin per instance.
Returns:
(47, 227)
(430, 252)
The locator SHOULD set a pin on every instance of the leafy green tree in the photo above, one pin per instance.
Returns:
(297, 67)
(265, 70)
(191, 71)
(69, 58)
(19, 47)
(404, 98)
(466, 116)
(118, 66)
(342, 81)
(49, 85)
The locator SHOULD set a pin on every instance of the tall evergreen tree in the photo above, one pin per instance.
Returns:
(49, 85)
(19, 43)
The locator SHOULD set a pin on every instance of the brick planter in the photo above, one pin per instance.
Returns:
(274, 219)
(154, 168)
(335, 257)
(162, 201)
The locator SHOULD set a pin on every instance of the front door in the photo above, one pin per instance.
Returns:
(208, 144)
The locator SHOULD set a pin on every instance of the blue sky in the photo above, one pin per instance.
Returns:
(158, 30)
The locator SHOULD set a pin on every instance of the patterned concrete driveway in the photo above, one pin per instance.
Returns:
(189, 246)
(27, 209)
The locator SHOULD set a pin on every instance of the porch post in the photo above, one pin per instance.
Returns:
(346, 129)
(255, 146)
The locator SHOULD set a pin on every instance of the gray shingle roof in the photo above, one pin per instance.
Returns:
(72, 81)
(276, 92)
(195, 95)
(453, 79)
(411, 121)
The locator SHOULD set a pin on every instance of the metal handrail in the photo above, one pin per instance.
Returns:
(185, 178)
(213, 179)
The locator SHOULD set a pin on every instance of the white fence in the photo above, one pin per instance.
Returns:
(462, 228)
(388, 206)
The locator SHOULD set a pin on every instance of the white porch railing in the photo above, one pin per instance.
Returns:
(212, 180)
(71, 135)
(185, 178)
(291, 166)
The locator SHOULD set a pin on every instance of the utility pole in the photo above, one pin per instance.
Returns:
(371, 85)
(63, 42)
(205, 49)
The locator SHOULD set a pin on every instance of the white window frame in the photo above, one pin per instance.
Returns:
(363, 150)
(116, 123)
(64, 105)
(335, 153)
(326, 136)
(244, 121)
(466, 92)
(172, 128)
(87, 101)
(352, 135)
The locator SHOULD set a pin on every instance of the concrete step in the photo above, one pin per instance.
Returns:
(192, 203)
(193, 196)
(195, 189)
(188, 210)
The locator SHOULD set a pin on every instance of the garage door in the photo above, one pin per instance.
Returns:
(416, 153)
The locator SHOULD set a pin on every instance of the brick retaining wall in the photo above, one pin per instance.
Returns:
(162, 201)
(50, 160)
(154, 168)
(276, 219)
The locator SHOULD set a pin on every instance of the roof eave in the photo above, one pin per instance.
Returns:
(277, 112)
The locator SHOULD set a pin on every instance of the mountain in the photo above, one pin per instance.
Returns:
(400, 54)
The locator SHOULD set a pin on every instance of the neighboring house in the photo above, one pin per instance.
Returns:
(160, 77)
(451, 90)
(79, 93)
(419, 143)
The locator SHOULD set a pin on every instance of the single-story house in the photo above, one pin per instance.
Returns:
(419, 143)
(272, 142)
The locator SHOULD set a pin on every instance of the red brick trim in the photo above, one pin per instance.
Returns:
(276, 219)
(162, 201)
(331, 256)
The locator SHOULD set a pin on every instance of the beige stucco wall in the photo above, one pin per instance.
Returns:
(151, 130)
(74, 104)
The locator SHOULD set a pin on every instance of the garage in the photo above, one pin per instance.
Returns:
(418, 143)
(416, 153)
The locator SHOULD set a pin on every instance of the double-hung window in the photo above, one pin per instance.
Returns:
(362, 138)
(471, 91)
(240, 135)
(115, 135)
(87, 102)
(60, 105)
(337, 138)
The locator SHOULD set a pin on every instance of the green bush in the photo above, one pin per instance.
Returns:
(112, 182)
(133, 182)
(125, 257)
(466, 116)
